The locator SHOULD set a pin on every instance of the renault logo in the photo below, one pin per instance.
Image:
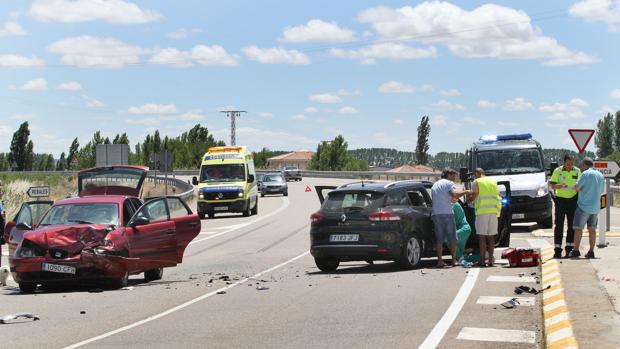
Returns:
(343, 218)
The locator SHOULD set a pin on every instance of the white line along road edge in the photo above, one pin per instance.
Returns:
(184, 305)
(442, 327)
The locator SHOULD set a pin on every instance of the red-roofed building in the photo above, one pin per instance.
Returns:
(299, 159)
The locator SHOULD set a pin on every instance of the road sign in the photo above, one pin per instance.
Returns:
(308, 189)
(39, 192)
(608, 168)
(581, 137)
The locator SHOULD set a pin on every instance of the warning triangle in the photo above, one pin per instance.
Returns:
(581, 137)
(308, 189)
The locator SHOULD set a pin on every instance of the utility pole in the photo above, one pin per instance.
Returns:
(233, 115)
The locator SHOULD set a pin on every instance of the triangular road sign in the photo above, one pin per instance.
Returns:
(308, 189)
(581, 137)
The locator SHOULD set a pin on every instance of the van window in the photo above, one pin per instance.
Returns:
(397, 198)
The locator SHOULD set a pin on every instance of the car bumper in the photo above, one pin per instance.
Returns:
(223, 207)
(278, 190)
(356, 252)
(527, 209)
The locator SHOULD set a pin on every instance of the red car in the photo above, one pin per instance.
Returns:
(105, 233)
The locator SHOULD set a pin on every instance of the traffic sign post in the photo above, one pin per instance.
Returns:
(581, 138)
(38, 192)
(610, 170)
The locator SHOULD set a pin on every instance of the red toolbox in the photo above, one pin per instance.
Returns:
(522, 257)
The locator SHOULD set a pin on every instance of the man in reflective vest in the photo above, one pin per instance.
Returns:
(488, 206)
(563, 181)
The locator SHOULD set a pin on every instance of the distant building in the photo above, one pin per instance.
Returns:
(299, 159)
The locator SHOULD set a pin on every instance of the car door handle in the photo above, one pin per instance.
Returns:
(194, 224)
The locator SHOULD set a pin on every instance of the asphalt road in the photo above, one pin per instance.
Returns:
(275, 297)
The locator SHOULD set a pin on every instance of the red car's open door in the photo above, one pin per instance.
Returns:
(112, 180)
(27, 218)
(187, 224)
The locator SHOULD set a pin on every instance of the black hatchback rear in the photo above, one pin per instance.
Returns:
(372, 221)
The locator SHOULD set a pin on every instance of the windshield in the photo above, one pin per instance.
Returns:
(222, 173)
(510, 161)
(290, 168)
(273, 178)
(353, 201)
(91, 213)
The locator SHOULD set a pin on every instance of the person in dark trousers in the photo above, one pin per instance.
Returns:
(563, 181)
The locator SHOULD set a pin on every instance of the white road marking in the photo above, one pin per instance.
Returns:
(207, 232)
(232, 228)
(440, 329)
(497, 335)
(560, 334)
(492, 300)
(553, 293)
(184, 305)
(499, 278)
(554, 305)
(538, 243)
(555, 319)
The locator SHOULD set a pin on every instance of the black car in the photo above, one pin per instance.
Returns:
(366, 221)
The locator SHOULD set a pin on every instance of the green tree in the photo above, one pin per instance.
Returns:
(61, 164)
(19, 152)
(4, 162)
(73, 151)
(617, 131)
(604, 138)
(422, 147)
(333, 156)
(29, 156)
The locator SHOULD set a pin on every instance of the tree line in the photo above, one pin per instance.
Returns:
(607, 137)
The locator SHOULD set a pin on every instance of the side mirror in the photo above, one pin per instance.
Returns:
(552, 167)
(139, 221)
(23, 226)
(251, 178)
(195, 180)
(463, 174)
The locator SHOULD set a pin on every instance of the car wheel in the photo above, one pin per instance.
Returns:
(327, 264)
(202, 215)
(27, 287)
(255, 209)
(248, 210)
(285, 193)
(153, 274)
(412, 253)
(546, 223)
(121, 282)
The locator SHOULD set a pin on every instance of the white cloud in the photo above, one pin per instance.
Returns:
(38, 84)
(266, 114)
(487, 31)
(182, 33)
(343, 92)
(311, 110)
(189, 116)
(317, 31)
(607, 11)
(299, 117)
(348, 110)
(325, 98)
(439, 120)
(506, 123)
(201, 54)
(69, 86)
(451, 93)
(276, 55)
(388, 50)
(11, 29)
(92, 103)
(486, 104)
(573, 109)
(93, 52)
(144, 121)
(16, 61)
(153, 109)
(396, 87)
(615, 94)
(427, 88)
(112, 11)
(5, 132)
(517, 104)
(472, 120)
(22, 117)
(399, 122)
(443, 104)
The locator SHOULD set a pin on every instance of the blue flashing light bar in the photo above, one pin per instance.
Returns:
(513, 137)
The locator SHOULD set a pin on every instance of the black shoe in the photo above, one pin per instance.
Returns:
(558, 253)
(567, 255)
(590, 255)
(574, 254)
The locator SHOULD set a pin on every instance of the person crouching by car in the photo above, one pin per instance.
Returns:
(463, 230)
(488, 206)
(444, 191)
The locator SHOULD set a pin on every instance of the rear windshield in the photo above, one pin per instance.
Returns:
(353, 201)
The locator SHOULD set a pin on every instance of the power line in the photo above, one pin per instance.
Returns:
(233, 115)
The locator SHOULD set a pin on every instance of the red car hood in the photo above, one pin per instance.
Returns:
(72, 239)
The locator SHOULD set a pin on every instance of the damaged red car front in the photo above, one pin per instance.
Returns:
(104, 233)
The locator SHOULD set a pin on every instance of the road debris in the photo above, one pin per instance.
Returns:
(221, 292)
(262, 288)
(511, 304)
(95, 290)
(8, 318)
(83, 312)
(128, 288)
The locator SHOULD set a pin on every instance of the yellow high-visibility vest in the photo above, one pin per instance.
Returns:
(488, 199)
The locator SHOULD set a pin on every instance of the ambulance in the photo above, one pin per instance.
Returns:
(227, 182)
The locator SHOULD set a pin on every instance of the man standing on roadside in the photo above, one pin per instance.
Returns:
(590, 186)
(563, 180)
(444, 191)
(488, 206)
(2, 217)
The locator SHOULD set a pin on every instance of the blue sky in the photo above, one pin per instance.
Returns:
(307, 71)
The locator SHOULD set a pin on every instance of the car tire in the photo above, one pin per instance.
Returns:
(248, 210)
(202, 215)
(120, 282)
(546, 223)
(255, 209)
(262, 195)
(27, 287)
(211, 215)
(411, 254)
(153, 274)
(327, 265)
(285, 193)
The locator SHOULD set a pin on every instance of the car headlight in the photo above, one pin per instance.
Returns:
(25, 252)
(542, 191)
(240, 194)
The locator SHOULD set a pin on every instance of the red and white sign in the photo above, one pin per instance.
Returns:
(581, 137)
(608, 168)
(308, 189)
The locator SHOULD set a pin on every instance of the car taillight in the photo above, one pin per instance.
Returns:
(316, 217)
(383, 216)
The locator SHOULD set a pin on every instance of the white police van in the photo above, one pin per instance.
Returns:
(518, 159)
